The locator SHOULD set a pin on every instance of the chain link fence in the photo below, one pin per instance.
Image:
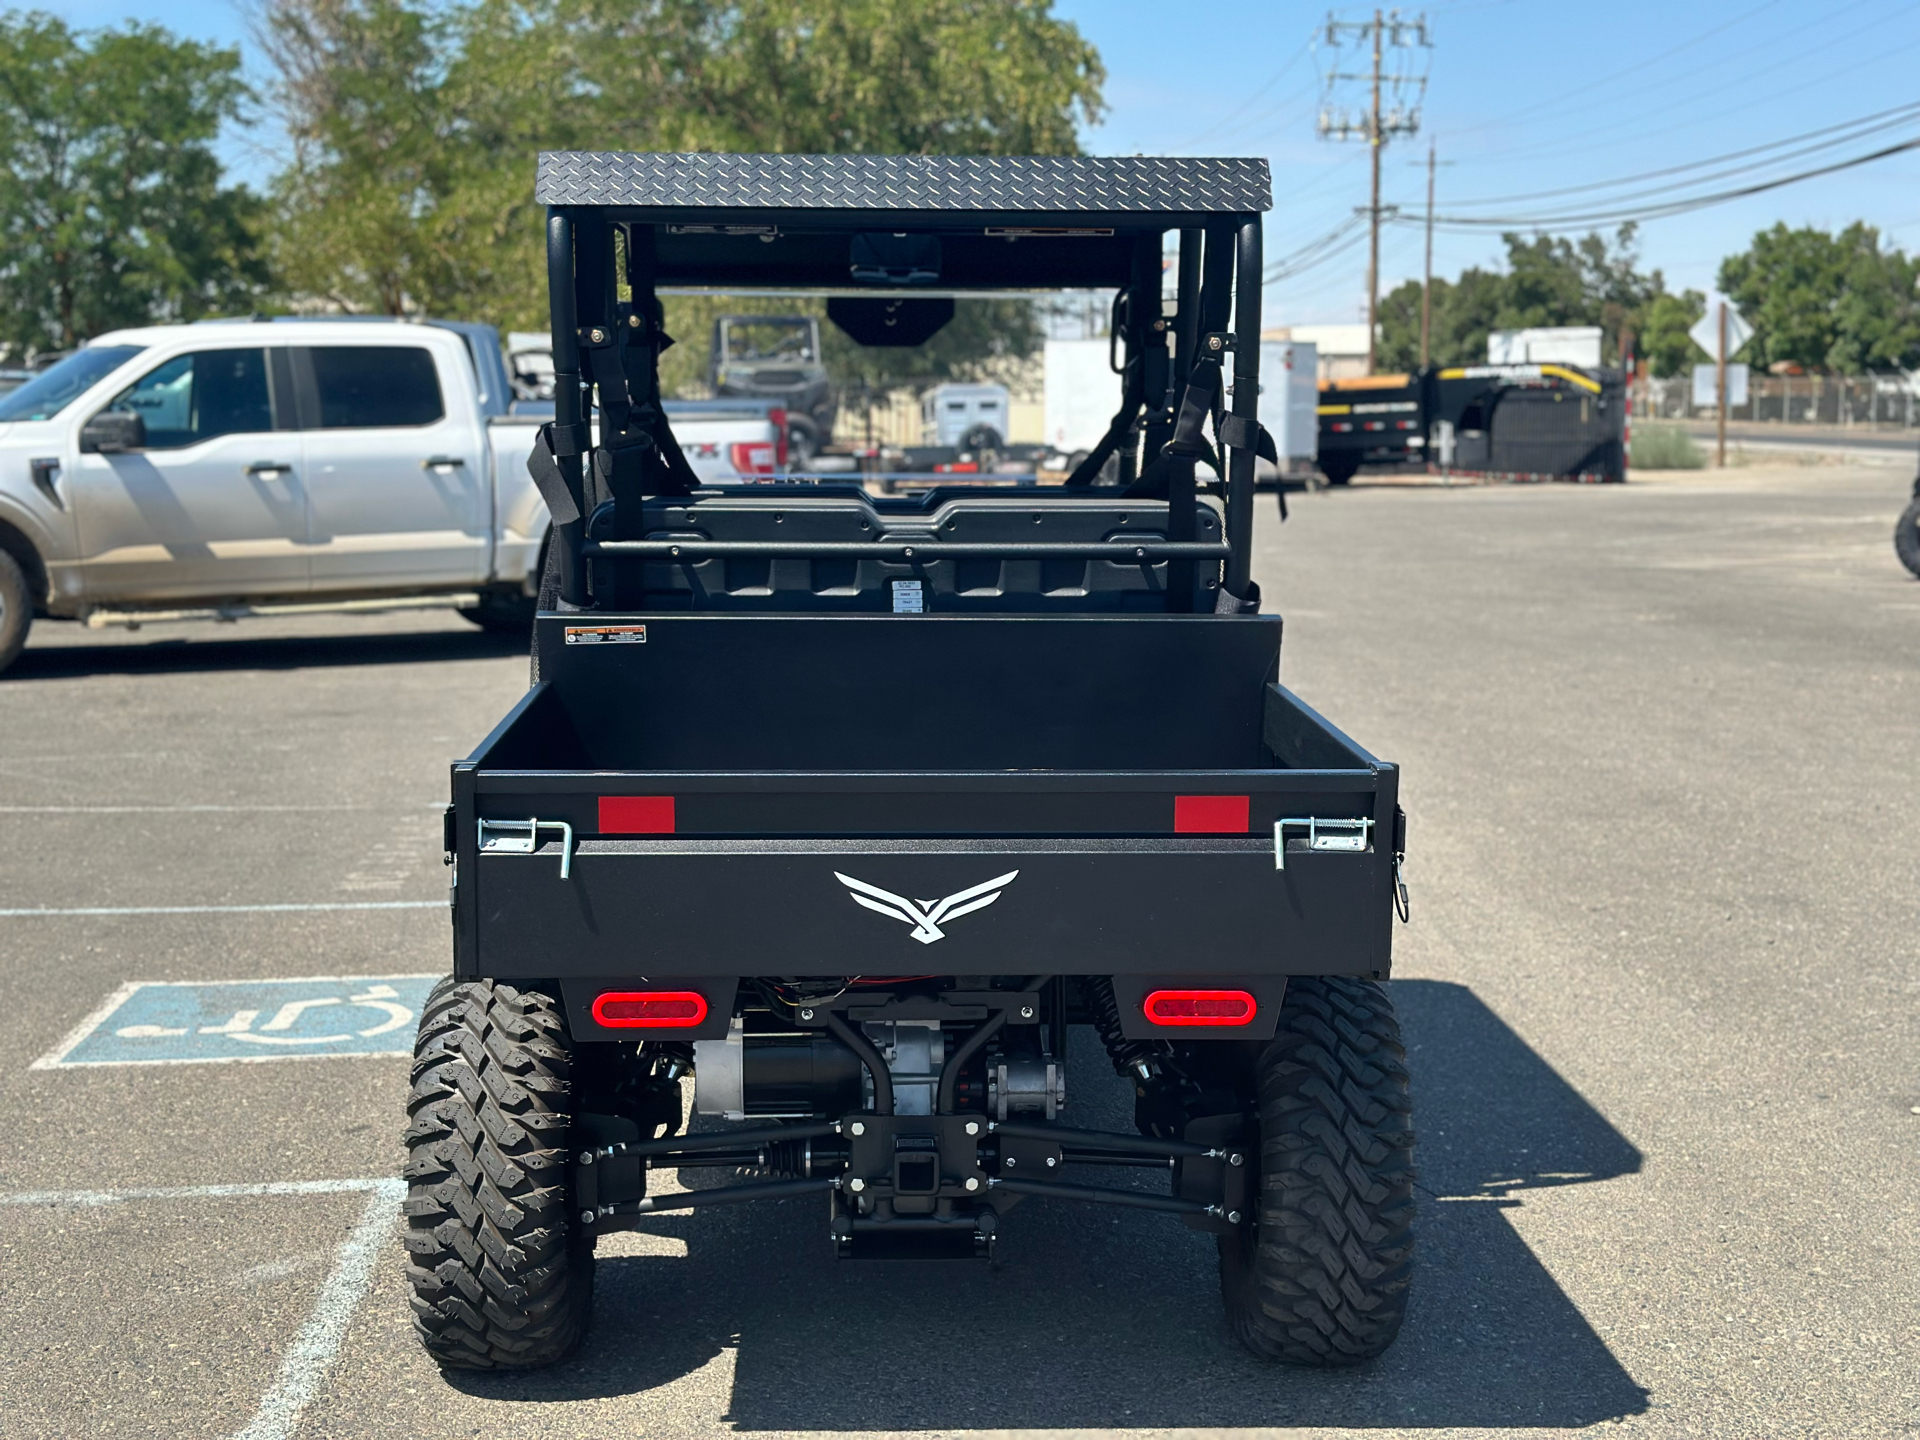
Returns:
(1884, 402)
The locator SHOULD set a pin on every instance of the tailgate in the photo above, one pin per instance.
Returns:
(1283, 870)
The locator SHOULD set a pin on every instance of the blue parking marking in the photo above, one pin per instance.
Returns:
(228, 1021)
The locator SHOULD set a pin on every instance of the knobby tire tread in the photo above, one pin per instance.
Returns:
(1322, 1277)
(500, 1277)
(1906, 538)
(16, 609)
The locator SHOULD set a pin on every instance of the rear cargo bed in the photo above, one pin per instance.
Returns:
(716, 788)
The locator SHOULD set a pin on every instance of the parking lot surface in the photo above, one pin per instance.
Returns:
(1661, 748)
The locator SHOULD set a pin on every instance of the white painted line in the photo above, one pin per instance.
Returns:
(279, 1057)
(315, 1348)
(86, 1027)
(175, 809)
(87, 1199)
(313, 1351)
(223, 909)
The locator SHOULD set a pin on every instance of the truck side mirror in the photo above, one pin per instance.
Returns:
(113, 432)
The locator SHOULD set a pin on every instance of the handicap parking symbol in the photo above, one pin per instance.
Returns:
(223, 1021)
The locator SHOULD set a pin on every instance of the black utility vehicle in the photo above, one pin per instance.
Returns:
(777, 357)
(851, 807)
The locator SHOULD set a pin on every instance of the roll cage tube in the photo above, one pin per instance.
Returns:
(1218, 283)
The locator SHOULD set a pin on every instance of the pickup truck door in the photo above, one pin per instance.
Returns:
(213, 506)
(396, 472)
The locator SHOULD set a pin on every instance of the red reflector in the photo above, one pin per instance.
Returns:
(650, 1009)
(636, 814)
(1200, 1007)
(1210, 814)
(753, 457)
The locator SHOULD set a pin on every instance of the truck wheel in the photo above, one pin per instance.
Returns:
(1906, 544)
(1319, 1276)
(16, 610)
(502, 612)
(501, 1276)
(1339, 469)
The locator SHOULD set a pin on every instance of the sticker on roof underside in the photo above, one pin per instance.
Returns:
(606, 634)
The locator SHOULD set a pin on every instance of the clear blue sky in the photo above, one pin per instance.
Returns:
(1524, 97)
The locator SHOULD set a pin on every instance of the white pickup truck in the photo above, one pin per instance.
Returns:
(237, 467)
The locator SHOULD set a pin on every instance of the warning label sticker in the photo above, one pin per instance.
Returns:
(606, 634)
(909, 598)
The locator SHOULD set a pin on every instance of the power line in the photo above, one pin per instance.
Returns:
(1231, 123)
(1674, 207)
(1598, 139)
(1639, 67)
(1854, 128)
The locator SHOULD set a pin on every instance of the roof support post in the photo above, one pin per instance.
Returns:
(569, 409)
(1248, 264)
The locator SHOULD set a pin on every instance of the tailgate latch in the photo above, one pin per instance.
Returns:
(1337, 835)
(522, 837)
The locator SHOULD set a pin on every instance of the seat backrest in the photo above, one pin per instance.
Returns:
(793, 583)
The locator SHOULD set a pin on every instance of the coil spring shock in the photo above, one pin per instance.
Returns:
(1132, 1058)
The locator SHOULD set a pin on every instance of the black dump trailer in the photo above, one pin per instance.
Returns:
(1537, 422)
(849, 808)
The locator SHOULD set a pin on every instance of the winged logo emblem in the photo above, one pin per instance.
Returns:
(926, 916)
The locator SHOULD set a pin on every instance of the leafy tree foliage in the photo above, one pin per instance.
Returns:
(417, 123)
(1663, 338)
(112, 210)
(1547, 280)
(1827, 302)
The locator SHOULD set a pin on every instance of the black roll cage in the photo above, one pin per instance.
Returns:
(781, 222)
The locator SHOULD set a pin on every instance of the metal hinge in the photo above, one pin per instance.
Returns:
(1349, 836)
(522, 837)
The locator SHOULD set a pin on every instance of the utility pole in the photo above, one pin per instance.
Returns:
(1379, 122)
(1426, 285)
(1721, 366)
(1373, 208)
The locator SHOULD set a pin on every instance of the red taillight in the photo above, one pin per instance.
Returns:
(636, 814)
(1200, 1007)
(650, 1009)
(754, 457)
(1210, 814)
(777, 417)
(968, 467)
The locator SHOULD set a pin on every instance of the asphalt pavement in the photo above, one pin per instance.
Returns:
(1661, 750)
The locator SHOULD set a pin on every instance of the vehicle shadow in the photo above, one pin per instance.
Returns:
(1111, 1319)
(184, 656)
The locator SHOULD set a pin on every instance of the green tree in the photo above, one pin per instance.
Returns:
(1663, 340)
(1464, 310)
(1547, 280)
(418, 123)
(1827, 302)
(112, 210)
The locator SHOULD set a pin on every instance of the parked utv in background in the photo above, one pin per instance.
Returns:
(853, 806)
(777, 358)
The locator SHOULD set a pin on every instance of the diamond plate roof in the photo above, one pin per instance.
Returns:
(1044, 183)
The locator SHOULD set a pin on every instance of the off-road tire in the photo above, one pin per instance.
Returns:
(16, 610)
(1320, 1276)
(1906, 544)
(501, 1277)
